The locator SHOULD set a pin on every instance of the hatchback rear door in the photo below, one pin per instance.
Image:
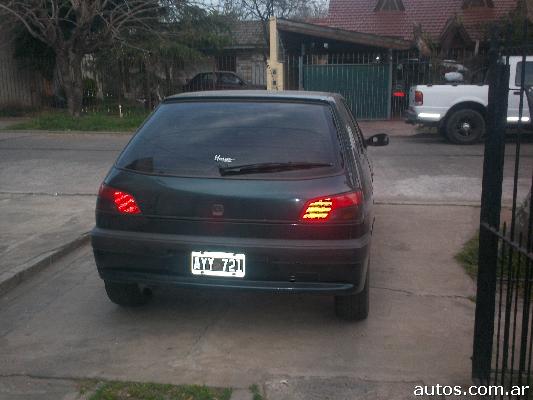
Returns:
(233, 162)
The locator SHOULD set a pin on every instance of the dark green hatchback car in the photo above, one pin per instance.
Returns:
(261, 190)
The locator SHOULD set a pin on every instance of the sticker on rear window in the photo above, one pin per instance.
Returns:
(219, 158)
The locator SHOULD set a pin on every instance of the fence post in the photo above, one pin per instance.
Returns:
(490, 216)
(389, 99)
(301, 68)
(300, 73)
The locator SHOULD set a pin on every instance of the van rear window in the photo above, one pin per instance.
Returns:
(198, 138)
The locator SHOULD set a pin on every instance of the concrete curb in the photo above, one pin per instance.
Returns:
(14, 277)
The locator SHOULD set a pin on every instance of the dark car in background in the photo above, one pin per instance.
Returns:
(241, 190)
(220, 80)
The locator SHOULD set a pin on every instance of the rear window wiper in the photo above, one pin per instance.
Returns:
(262, 168)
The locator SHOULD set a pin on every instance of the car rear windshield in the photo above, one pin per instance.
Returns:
(197, 139)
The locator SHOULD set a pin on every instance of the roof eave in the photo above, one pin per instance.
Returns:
(452, 27)
(343, 35)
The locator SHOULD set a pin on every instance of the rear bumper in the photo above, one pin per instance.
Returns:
(210, 283)
(315, 266)
(414, 117)
(411, 117)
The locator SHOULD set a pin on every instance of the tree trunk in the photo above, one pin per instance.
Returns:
(72, 80)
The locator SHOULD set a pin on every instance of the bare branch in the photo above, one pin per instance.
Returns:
(21, 17)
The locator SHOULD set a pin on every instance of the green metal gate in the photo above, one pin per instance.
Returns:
(366, 87)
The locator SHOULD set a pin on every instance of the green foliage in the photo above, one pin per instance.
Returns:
(90, 85)
(142, 62)
(188, 34)
(206, 31)
(87, 385)
(511, 28)
(62, 121)
(468, 256)
(152, 391)
(34, 54)
(255, 392)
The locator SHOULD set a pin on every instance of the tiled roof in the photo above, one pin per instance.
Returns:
(247, 34)
(359, 16)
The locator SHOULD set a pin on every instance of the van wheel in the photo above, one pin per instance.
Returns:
(126, 294)
(354, 307)
(465, 127)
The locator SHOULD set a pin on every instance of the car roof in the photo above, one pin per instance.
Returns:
(257, 94)
(216, 72)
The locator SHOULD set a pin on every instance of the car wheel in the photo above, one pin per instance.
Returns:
(354, 307)
(126, 294)
(465, 127)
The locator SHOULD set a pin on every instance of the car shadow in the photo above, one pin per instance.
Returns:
(191, 303)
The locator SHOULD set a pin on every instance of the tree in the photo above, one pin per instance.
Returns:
(510, 27)
(529, 5)
(187, 33)
(263, 10)
(75, 28)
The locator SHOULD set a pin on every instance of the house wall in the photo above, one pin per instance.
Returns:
(251, 67)
(19, 87)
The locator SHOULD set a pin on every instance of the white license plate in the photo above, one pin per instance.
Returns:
(212, 263)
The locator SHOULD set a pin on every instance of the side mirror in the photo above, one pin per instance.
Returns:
(381, 139)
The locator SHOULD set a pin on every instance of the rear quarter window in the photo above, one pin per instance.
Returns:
(195, 138)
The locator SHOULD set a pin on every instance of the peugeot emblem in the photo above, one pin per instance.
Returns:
(217, 210)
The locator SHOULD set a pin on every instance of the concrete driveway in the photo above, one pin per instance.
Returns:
(59, 324)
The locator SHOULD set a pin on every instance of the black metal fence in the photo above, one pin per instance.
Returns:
(125, 84)
(380, 78)
(503, 337)
(375, 83)
(144, 83)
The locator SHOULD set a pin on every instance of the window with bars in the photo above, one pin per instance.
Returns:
(227, 63)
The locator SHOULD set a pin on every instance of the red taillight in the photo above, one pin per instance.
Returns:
(419, 98)
(342, 207)
(124, 202)
(398, 93)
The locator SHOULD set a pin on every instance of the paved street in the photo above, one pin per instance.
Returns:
(59, 323)
(420, 168)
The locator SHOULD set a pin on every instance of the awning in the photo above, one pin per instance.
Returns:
(342, 35)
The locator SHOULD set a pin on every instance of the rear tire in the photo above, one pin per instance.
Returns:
(465, 127)
(126, 294)
(354, 307)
